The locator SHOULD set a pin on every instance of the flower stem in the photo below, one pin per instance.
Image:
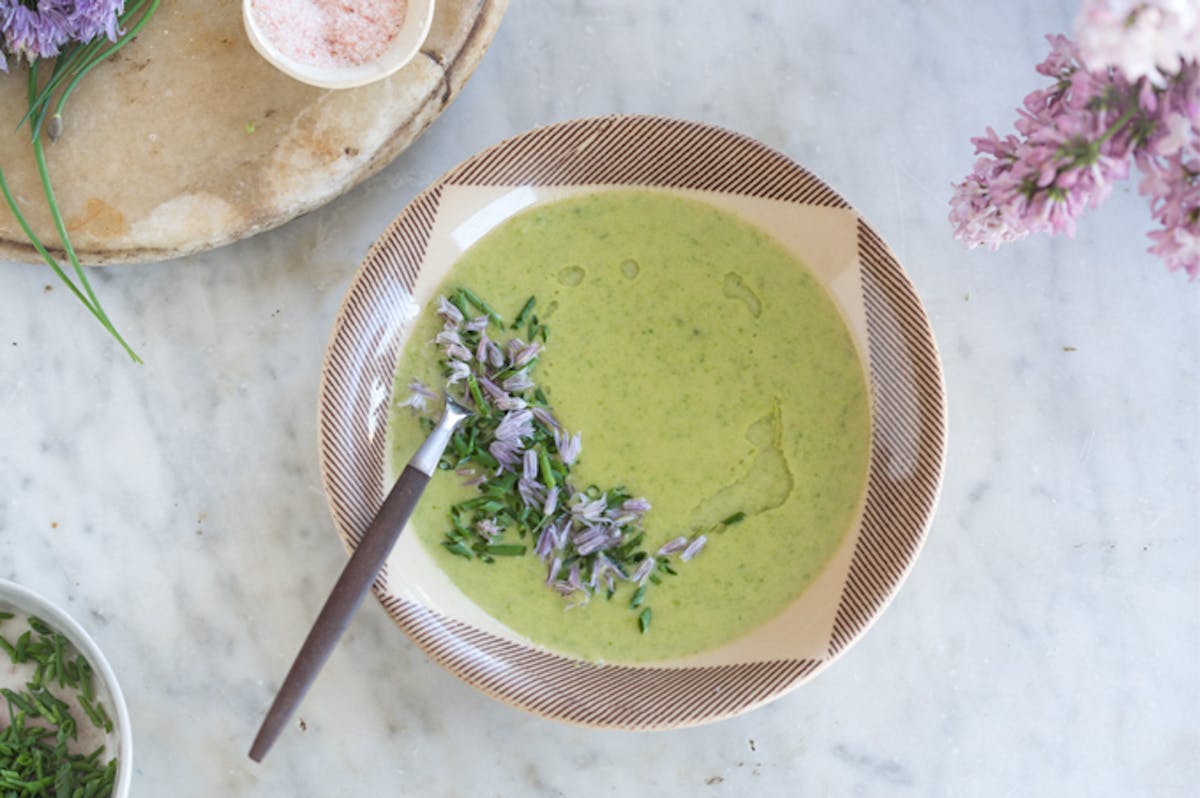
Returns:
(37, 244)
(1120, 123)
(91, 63)
(40, 157)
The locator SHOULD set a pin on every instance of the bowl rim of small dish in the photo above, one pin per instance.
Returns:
(594, 151)
(418, 20)
(34, 603)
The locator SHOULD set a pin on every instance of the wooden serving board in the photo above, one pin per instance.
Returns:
(187, 139)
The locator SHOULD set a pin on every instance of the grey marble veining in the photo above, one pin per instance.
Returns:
(1045, 643)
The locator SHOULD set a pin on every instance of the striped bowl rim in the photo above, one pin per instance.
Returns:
(908, 419)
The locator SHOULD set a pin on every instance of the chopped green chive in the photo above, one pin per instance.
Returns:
(505, 549)
(733, 519)
(644, 620)
(528, 306)
(34, 753)
(457, 547)
(483, 307)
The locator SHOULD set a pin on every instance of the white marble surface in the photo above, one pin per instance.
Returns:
(1045, 644)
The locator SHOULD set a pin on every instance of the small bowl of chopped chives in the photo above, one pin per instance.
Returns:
(337, 44)
(65, 728)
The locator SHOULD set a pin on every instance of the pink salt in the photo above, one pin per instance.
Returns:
(330, 33)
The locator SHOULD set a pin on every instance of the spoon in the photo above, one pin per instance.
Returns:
(356, 578)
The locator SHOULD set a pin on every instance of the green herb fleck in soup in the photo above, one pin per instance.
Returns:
(681, 395)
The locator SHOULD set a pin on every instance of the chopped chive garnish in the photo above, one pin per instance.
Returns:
(6, 616)
(483, 307)
(591, 540)
(733, 519)
(528, 306)
(505, 550)
(457, 547)
(547, 469)
(476, 394)
(35, 758)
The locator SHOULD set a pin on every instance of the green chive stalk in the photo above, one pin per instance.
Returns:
(44, 115)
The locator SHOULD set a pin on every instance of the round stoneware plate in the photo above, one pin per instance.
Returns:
(734, 173)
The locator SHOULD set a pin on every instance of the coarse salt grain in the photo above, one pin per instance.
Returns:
(330, 33)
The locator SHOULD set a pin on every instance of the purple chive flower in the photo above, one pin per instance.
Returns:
(488, 528)
(568, 446)
(672, 546)
(459, 371)
(545, 542)
(92, 18)
(501, 398)
(547, 420)
(477, 324)
(506, 452)
(451, 343)
(588, 511)
(481, 349)
(418, 397)
(533, 494)
(471, 479)
(518, 382)
(516, 424)
(551, 503)
(530, 469)
(493, 390)
(449, 312)
(693, 548)
(553, 570)
(526, 354)
(595, 538)
(638, 505)
(643, 571)
(42, 31)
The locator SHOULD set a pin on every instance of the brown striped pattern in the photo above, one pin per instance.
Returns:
(363, 353)
(908, 425)
(645, 151)
(595, 695)
(907, 440)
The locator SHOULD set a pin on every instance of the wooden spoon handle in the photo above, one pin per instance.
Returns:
(347, 595)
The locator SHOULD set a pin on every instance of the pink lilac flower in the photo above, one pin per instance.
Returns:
(1071, 148)
(1142, 38)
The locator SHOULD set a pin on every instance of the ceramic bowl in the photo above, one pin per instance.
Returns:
(119, 742)
(418, 19)
(734, 173)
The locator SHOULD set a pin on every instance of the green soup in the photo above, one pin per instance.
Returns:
(709, 372)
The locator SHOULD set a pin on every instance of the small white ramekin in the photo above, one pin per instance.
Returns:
(418, 19)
